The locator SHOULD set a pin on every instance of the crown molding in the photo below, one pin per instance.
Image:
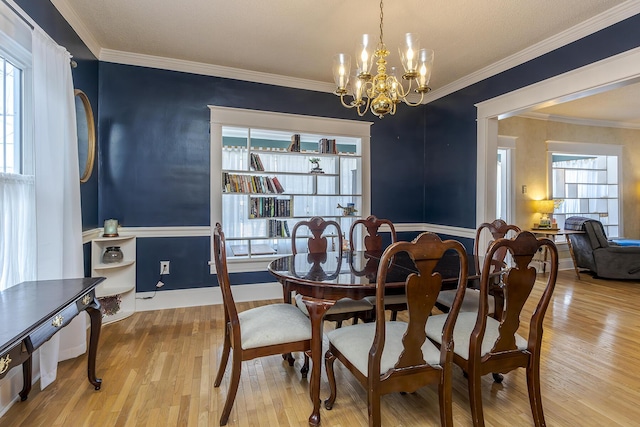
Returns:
(78, 26)
(590, 26)
(579, 121)
(127, 58)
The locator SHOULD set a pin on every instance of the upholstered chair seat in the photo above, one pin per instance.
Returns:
(355, 342)
(263, 326)
(462, 333)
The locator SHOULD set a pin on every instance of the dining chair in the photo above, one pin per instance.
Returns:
(373, 242)
(391, 356)
(484, 344)
(261, 331)
(498, 229)
(317, 243)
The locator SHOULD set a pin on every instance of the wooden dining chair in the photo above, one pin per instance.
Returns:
(388, 356)
(498, 229)
(484, 344)
(261, 331)
(373, 242)
(345, 308)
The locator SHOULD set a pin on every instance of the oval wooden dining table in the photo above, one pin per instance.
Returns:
(324, 278)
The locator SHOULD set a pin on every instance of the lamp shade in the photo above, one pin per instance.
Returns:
(545, 206)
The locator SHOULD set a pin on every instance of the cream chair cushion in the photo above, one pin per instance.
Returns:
(471, 300)
(273, 324)
(355, 341)
(344, 305)
(462, 333)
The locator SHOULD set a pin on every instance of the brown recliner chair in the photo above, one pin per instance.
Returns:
(594, 252)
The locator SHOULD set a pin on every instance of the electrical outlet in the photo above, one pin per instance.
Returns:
(164, 267)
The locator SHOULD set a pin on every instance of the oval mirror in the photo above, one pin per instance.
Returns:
(86, 135)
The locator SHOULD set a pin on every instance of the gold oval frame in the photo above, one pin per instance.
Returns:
(91, 137)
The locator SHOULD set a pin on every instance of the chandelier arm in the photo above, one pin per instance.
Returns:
(344, 104)
(410, 104)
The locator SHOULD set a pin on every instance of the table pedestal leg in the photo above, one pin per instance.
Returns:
(317, 309)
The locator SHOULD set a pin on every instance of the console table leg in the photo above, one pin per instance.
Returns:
(96, 323)
(26, 378)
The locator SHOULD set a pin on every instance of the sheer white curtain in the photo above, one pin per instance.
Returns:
(58, 216)
(17, 229)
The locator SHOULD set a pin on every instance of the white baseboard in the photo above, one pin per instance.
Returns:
(205, 296)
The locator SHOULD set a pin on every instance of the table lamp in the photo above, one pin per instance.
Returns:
(545, 208)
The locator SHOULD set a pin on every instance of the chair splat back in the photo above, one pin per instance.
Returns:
(317, 243)
(389, 356)
(373, 240)
(519, 283)
(498, 229)
(422, 290)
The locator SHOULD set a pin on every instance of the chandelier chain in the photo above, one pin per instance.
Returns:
(381, 18)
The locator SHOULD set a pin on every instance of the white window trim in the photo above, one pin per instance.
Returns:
(227, 116)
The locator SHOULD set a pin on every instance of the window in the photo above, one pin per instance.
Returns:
(17, 183)
(586, 182)
(10, 117)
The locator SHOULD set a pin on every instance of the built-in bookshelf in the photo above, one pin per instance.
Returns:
(272, 177)
(272, 170)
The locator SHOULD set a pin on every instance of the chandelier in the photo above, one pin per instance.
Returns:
(382, 92)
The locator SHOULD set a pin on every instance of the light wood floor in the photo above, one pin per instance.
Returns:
(158, 369)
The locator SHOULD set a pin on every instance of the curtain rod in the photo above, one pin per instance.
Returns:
(13, 9)
(74, 64)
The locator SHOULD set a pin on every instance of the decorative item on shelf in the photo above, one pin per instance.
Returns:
(315, 161)
(382, 92)
(110, 228)
(110, 305)
(348, 210)
(112, 254)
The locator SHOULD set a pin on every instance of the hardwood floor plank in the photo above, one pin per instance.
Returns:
(158, 369)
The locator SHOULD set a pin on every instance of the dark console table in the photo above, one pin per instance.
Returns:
(32, 312)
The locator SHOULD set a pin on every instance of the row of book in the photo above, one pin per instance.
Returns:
(269, 207)
(277, 228)
(326, 145)
(235, 183)
(256, 162)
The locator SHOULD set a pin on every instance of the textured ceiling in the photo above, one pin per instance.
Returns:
(297, 38)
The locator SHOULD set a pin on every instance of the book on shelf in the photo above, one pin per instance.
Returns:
(277, 185)
(327, 146)
(256, 162)
(295, 143)
(269, 207)
(277, 228)
(237, 183)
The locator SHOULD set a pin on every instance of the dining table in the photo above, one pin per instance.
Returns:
(324, 278)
